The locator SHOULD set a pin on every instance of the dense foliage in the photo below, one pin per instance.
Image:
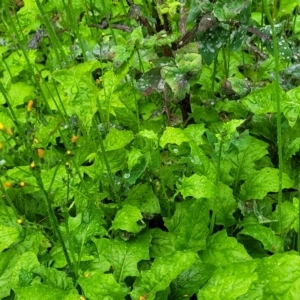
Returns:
(149, 149)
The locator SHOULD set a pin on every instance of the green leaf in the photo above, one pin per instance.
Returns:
(286, 7)
(149, 135)
(90, 224)
(58, 185)
(142, 196)
(116, 160)
(226, 11)
(260, 183)
(196, 186)
(133, 157)
(249, 151)
(77, 87)
(230, 282)
(189, 281)
(54, 278)
(176, 80)
(229, 129)
(278, 278)
(18, 94)
(97, 285)
(124, 256)
(200, 163)
(235, 88)
(222, 250)
(195, 133)
(10, 230)
(266, 236)
(117, 139)
(291, 107)
(289, 216)
(11, 276)
(162, 243)
(190, 63)
(189, 225)
(261, 101)
(225, 205)
(163, 271)
(211, 42)
(292, 148)
(45, 292)
(173, 135)
(127, 218)
(27, 17)
(8, 235)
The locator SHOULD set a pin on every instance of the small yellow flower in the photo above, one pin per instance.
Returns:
(29, 105)
(81, 298)
(87, 274)
(22, 184)
(1, 126)
(19, 221)
(41, 152)
(74, 139)
(32, 165)
(68, 152)
(7, 184)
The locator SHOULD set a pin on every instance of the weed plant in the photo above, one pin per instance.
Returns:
(149, 149)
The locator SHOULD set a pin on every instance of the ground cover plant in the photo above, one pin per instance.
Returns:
(149, 149)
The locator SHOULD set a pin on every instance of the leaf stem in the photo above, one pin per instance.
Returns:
(213, 217)
(277, 98)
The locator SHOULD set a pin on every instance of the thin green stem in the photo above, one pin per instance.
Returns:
(9, 202)
(213, 78)
(53, 37)
(106, 162)
(278, 99)
(213, 216)
(53, 219)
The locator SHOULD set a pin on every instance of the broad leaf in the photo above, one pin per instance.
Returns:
(12, 275)
(291, 107)
(196, 186)
(245, 152)
(45, 292)
(289, 216)
(162, 243)
(117, 139)
(124, 256)
(278, 278)
(229, 282)
(97, 285)
(189, 225)
(195, 133)
(222, 250)
(127, 218)
(224, 205)
(266, 236)
(189, 281)
(142, 196)
(226, 11)
(261, 101)
(173, 136)
(163, 271)
(260, 183)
